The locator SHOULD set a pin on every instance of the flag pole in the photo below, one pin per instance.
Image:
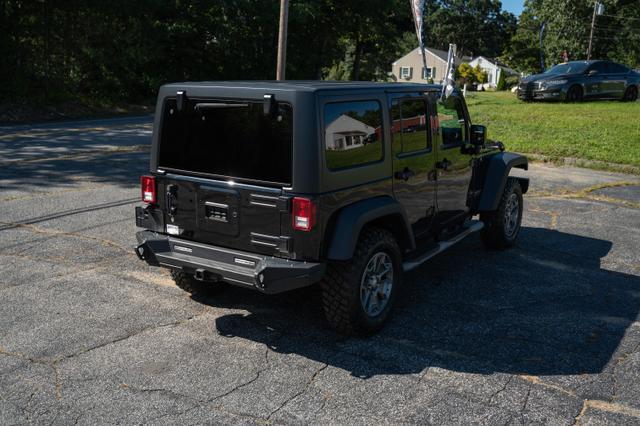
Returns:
(417, 10)
(282, 40)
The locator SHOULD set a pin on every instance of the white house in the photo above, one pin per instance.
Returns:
(493, 68)
(347, 133)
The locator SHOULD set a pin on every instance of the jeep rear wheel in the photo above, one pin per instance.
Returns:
(501, 227)
(358, 295)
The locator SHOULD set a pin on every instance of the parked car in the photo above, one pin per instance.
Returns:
(578, 80)
(269, 186)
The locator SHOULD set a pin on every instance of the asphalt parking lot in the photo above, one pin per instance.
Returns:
(548, 332)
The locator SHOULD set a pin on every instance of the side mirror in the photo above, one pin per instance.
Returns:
(478, 135)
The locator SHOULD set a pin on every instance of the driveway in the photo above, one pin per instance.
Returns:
(547, 332)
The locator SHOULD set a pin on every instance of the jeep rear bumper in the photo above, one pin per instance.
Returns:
(267, 274)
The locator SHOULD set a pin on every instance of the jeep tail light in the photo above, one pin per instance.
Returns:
(304, 214)
(148, 184)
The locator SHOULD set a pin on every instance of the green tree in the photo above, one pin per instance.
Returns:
(465, 74)
(567, 26)
(475, 26)
(502, 84)
(480, 75)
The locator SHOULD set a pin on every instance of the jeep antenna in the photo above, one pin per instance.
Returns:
(417, 10)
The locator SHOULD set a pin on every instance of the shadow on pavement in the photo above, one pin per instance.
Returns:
(122, 169)
(543, 308)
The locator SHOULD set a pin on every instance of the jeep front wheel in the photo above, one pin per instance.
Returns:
(358, 295)
(501, 227)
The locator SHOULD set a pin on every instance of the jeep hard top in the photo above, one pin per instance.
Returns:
(280, 185)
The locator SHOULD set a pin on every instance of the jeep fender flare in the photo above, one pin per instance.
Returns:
(496, 176)
(351, 219)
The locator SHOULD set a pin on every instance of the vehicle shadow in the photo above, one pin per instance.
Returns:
(542, 308)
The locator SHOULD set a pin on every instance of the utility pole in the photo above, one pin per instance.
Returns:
(282, 40)
(598, 9)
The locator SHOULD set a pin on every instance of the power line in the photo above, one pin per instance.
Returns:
(621, 17)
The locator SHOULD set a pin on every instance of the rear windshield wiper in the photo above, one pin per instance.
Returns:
(217, 105)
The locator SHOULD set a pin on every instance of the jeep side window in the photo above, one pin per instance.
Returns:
(410, 126)
(452, 120)
(352, 134)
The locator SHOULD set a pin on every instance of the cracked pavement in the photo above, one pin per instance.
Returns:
(548, 332)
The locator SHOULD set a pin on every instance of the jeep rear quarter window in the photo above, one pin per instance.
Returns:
(228, 139)
(353, 134)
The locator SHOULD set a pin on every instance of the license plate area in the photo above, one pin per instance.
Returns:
(218, 210)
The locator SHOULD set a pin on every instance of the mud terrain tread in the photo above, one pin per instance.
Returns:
(492, 234)
(341, 282)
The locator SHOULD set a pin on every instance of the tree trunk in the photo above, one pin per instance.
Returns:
(357, 57)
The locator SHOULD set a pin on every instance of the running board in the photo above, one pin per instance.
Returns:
(441, 246)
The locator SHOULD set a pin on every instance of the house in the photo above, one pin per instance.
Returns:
(493, 68)
(410, 68)
(347, 133)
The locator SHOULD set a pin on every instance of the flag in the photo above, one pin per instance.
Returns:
(449, 81)
(417, 9)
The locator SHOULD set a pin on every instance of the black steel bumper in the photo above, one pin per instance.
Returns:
(267, 274)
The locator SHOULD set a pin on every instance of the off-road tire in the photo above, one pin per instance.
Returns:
(341, 285)
(192, 286)
(493, 234)
(631, 94)
(574, 94)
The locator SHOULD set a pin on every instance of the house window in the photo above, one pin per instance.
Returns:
(428, 73)
(405, 72)
(359, 125)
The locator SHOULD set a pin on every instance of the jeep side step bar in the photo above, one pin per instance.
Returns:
(474, 226)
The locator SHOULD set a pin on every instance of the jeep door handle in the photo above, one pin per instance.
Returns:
(405, 174)
(444, 164)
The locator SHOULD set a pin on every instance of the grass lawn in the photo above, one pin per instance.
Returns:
(599, 130)
(345, 158)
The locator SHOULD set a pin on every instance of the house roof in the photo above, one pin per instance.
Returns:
(441, 54)
(498, 63)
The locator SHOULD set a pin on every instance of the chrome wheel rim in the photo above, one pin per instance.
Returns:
(511, 215)
(376, 284)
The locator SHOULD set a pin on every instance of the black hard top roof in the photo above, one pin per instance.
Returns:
(306, 85)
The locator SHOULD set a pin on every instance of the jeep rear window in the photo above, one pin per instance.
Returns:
(353, 134)
(228, 139)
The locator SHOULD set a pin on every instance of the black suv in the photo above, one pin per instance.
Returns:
(279, 185)
(578, 80)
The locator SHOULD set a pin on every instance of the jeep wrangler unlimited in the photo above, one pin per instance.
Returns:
(279, 185)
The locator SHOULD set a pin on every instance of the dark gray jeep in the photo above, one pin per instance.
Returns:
(279, 185)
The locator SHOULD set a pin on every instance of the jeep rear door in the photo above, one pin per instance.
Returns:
(223, 165)
(414, 182)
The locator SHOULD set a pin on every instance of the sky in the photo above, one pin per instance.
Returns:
(513, 6)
